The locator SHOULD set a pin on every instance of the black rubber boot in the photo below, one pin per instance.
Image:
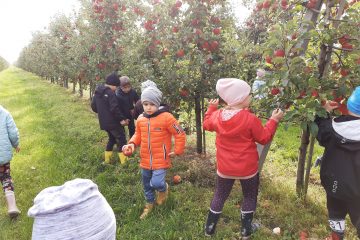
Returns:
(336, 236)
(211, 222)
(247, 226)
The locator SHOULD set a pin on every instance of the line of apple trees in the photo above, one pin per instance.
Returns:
(311, 51)
(183, 45)
(3, 64)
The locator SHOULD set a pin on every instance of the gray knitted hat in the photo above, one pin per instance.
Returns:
(75, 210)
(147, 83)
(151, 94)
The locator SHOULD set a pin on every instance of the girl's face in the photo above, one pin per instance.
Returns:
(149, 108)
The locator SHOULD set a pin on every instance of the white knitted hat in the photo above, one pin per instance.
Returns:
(75, 210)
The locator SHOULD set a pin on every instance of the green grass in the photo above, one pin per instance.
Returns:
(61, 140)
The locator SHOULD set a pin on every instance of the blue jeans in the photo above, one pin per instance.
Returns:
(153, 180)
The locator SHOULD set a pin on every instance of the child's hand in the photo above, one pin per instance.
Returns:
(123, 123)
(330, 105)
(17, 149)
(172, 154)
(214, 102)
(131, 146)
(277, 115)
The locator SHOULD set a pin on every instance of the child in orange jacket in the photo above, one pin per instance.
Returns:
(153, 133)
(237, 132)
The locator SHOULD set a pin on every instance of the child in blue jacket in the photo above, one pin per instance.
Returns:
(9, 139)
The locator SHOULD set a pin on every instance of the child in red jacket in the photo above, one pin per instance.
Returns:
(237, 132)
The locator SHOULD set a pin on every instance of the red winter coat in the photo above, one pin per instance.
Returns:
(236, 139)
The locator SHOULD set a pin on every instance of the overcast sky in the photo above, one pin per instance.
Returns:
(20, 18)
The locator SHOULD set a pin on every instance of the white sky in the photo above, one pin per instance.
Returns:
(20, 18)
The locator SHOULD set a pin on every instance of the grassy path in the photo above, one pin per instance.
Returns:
(61, 140)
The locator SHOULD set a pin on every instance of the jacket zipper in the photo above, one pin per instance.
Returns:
(164, 148)
(149, 145)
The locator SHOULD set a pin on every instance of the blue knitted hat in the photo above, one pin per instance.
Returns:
(353, 103)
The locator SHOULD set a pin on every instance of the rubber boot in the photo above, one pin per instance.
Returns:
(335, 236)
(108, 155)
(211, 222)
(13, 211)
(162, 196)
(247, 226)
(147, 209)
(122, 158)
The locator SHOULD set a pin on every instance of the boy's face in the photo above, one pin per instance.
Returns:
(149, 108)
(126, 88)
(113, 88)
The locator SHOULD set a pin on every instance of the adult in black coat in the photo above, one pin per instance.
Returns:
(111, 119)
(340, 166)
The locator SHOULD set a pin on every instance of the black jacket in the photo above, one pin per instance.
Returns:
(340, 167)
(105, 104)
(127, 101)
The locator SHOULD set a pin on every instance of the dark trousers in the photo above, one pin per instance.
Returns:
(5, 177)
(250, 188)
(116, 136)
(131, 127)
(338, 209)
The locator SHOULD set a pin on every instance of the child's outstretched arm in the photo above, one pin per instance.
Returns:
(325, 124)
(263, 134)
(208, 123)
(13, 132)
(180, 138)
(136, 138)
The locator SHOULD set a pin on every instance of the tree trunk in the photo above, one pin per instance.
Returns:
(81, 92)
(309, 164)
(202, 129)
(301, 162)
(74, 87)
(198, 122)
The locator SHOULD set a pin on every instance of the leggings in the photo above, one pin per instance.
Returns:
(5, 178)
(249, 187)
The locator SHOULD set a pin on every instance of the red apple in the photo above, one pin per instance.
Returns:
(268, 59)
(206, 46)
(215, 20)
(176, 179)
(266, 4)
(275, 91)
(279, 53)
(344, 39)
(214, 45)
(178, 4)
(115, 7)
(184, 92)
(127, 151)
(175, 29)
(314, 93)
(165, 51)
(209, 61)
(344, 72)
(216, 31)
(180, 53)
(347, 46)
(310, 4)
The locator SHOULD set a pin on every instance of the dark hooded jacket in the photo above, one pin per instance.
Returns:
(127, 101)
(105, 104)
(340, 167)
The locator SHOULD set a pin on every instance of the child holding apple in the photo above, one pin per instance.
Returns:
(154, 131)
(340, 165)
(237, 132)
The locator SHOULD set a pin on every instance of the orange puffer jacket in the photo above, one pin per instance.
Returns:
(153, 134)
